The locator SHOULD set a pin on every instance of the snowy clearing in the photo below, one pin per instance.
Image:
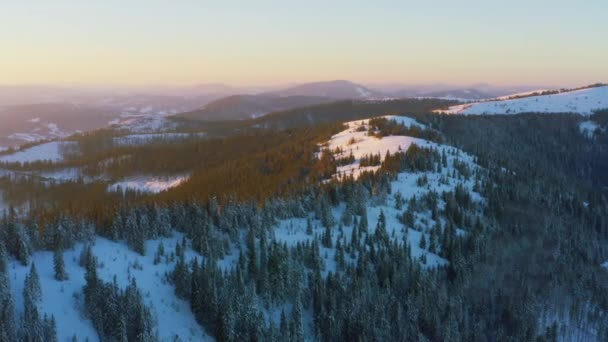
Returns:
(64, 299)
(583, 101)
(355, 140)
(148, 184)
(360, 144)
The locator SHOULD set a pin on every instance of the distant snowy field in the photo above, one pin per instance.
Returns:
(64, 299)
(50, 151)
(584, 102)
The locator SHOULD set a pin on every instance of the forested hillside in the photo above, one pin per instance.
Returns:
(485, 228)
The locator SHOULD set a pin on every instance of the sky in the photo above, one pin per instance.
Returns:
(264, 42)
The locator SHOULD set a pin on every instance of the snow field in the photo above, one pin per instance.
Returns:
(50, 151)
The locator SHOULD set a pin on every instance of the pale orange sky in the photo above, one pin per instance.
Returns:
(271, 42)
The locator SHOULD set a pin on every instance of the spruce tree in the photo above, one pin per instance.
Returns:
(59, 265)
(32, 284)
(308, 226)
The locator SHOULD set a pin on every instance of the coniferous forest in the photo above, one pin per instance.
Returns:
(504, 246)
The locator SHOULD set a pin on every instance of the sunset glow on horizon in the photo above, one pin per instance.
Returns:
(272, 42)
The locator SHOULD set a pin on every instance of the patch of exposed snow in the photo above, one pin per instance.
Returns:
(148, 184)
(50, 151)
(28, 137)
(588, 128)
(363, 92)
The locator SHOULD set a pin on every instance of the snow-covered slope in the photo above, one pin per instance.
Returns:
(64, 300)
(583, 101)
(406, 186)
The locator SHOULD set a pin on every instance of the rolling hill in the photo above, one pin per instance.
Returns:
(584, 101)
(240, 107)
(339, 89)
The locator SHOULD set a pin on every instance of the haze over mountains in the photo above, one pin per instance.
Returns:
(32, 113)
(251, 106)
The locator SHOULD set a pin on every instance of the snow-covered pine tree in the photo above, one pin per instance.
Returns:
(59, 265)
(32, 284)
(31, 326)
(8, 332)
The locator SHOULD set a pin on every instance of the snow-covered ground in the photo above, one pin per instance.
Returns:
(148, 184)
(583, 101)
(50, 151)
(65, 300)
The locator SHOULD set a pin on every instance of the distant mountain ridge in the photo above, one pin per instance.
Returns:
(240, 107)
(338, 89)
